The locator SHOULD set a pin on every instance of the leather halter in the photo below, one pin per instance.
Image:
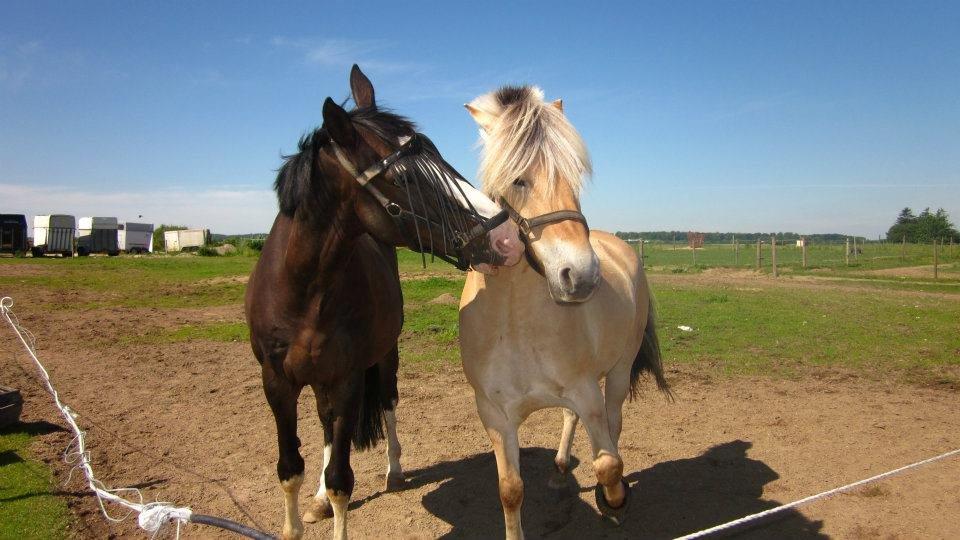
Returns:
(399, 214)
(527, 226)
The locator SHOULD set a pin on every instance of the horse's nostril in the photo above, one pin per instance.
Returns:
(566, 280)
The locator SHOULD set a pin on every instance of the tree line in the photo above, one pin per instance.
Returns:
(680, 237)
(923, 228)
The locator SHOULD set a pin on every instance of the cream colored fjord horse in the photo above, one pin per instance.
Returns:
(545, 332)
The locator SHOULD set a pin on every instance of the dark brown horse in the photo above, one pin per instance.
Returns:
(324, 304)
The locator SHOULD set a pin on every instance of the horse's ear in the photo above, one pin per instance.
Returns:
(362, 89)
(484, 119)
(558, 104)
(338, 124)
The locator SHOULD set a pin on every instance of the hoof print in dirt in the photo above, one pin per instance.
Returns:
(396, 482)
(615, 516)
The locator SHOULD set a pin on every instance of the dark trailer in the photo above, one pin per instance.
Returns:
(13, 233)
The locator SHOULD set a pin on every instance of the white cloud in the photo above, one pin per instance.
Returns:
(343, 52)
(223, 210)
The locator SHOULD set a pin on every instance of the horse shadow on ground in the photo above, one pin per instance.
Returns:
(40, 427)
(668, 500)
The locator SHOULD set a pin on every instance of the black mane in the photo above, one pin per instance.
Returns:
(298, 180)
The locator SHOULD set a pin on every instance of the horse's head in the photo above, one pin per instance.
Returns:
(534, 161)
(398, 186)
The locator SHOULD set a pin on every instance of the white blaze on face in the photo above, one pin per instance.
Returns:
(505, 237)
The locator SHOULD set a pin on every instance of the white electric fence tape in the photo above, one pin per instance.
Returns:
(760, 515)
(151, 516)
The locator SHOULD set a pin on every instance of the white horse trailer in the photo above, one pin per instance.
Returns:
(97, 235)
(135, 237)
(185, 239)
(53, 233)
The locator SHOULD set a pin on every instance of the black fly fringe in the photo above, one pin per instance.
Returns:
(435, 180)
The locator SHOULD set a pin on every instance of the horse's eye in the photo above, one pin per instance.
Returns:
(520, 183)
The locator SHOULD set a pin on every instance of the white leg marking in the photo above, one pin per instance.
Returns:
(395, 481)
(292, 527)
(321, 506)
(393, 444)
(322, 491)
(339, 504)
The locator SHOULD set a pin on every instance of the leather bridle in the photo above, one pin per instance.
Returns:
(459, 238)
(527, 226)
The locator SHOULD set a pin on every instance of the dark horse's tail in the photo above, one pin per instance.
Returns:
(370, 422)
(648, 358)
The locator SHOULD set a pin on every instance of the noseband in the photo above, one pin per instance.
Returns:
(528, 225)
(460, 238)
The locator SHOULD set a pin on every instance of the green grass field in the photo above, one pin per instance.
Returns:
(28, 506)
(872, 256)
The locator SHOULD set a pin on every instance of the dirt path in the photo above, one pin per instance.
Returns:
(187, 423)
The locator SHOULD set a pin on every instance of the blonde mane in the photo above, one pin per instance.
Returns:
(524, 136)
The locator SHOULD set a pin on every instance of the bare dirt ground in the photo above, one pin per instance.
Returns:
(187, 423)
(912, 271)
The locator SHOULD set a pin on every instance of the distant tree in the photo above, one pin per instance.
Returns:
(904, 227)
(924, 228)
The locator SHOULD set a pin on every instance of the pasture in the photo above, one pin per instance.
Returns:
(785, 387)
(870, 260)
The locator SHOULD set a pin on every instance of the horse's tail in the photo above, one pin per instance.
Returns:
(370, 422)
(648, 357)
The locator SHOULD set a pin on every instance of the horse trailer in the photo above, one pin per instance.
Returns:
(135, 237)
(13, 233)
(185, 239)
(54, 234)
(97, 235)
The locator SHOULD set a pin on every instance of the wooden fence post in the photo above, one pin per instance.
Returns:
(759, 255)
(903, 248)
(773, 254)
(736, 252)
(803, 249)
(846, 252)
(936, 259)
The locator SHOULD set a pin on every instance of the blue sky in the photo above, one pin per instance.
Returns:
(730, 116)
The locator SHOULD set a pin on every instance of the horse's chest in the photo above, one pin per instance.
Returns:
(342, 340)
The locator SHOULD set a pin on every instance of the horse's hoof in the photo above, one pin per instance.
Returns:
(616, 516)
(321, 510)
(291, 533)
(396, 482)
(561, 485)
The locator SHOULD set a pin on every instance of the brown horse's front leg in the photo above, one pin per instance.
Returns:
(338, 475)
(282, 397)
